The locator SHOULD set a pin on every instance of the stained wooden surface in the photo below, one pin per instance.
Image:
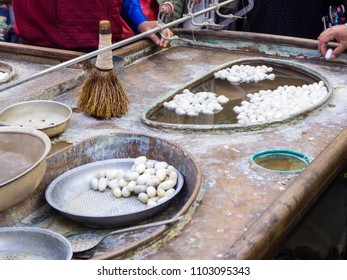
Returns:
(285, 212)
(240, 214)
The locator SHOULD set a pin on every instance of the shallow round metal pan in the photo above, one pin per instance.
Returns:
(27, 243)
(50, 117)
(71, 194)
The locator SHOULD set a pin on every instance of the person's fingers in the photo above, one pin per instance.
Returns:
(322, 47)
(326, 37)
(167, 33)
(159, 41)
(164, 43)
(339, 49)
(154, 38)
(336, 33)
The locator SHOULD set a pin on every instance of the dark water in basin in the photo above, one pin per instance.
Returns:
(236, 94)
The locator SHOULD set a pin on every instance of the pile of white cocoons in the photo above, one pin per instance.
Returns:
(283, 102)
(193, 104)
(238, 74)
(153, 182)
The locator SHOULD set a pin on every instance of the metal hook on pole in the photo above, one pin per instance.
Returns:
(238, 14)
(165, 9)
(207, 22)
(216, 3)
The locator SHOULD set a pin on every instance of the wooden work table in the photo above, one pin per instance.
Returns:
(238, 213)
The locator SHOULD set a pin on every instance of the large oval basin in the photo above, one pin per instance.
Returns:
(286, 75)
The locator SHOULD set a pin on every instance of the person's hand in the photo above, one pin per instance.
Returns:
(336, 33)
(156, 38)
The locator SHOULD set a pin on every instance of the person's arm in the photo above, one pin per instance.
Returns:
(132, 14)
(134, 17)
(336, 33)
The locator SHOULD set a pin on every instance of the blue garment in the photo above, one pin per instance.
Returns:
(132, 14)
(5, 14)
(4, 22)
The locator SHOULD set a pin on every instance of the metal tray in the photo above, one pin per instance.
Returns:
(71, 194)
(26, 243)
(50, 117)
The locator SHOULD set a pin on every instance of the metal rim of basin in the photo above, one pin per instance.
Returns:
(95, 148)
(236, 126)
(281, 154)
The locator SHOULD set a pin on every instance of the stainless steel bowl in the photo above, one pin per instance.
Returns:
(50, 117)
(23, 154)
(27, 243)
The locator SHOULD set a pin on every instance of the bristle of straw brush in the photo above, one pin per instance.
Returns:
(102, 94)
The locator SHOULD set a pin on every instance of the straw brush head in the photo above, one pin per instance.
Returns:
(102, 95)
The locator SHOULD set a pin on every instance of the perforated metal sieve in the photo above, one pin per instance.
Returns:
(27, 243)
(71, 194)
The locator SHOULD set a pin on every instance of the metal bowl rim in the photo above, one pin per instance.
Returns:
(33, 132)
(47, 232)
(38, 101)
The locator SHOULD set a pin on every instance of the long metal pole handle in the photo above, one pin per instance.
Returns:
(113, 46)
